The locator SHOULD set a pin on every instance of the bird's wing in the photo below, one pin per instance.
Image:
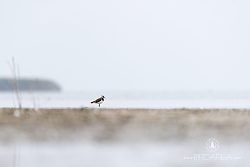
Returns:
(97, 100)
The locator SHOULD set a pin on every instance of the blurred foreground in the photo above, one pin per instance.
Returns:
(124, 137)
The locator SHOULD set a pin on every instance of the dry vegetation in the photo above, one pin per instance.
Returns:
(122, 124)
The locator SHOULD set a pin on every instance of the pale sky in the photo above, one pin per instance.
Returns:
(129, 44)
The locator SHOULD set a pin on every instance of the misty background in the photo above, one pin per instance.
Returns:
(129, 45)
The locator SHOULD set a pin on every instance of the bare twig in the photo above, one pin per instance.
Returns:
(16, 74)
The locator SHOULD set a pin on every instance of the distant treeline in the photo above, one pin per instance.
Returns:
(9, 84)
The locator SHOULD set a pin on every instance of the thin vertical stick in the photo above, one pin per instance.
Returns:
(15, 73)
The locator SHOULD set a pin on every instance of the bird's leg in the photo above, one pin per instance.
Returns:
(99, 105)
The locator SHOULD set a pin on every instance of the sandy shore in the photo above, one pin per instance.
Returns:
(123, 124)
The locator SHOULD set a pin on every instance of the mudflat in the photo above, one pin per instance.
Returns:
(123, 124)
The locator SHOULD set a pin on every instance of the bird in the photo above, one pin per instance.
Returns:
(99, 101)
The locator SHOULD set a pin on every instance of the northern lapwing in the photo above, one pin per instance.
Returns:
(99, 101)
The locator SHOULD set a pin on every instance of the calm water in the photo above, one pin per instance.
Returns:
(131, 99)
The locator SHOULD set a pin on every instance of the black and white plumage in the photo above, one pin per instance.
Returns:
(99, 101)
